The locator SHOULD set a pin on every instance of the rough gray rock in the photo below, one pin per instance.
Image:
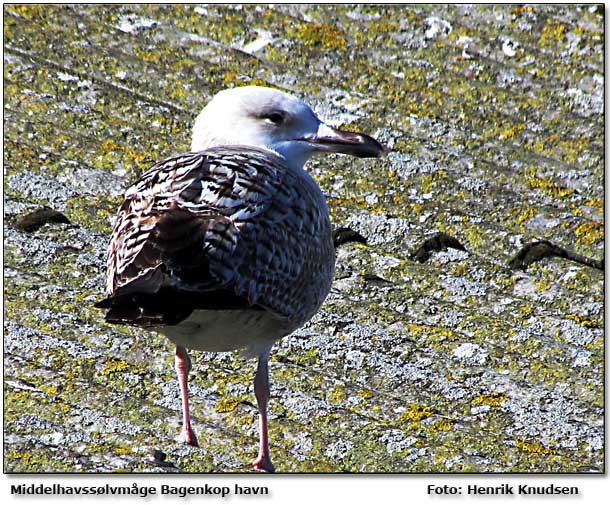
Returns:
(456, 364)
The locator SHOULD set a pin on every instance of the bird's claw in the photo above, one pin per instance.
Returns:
(263, 464)
(188, 437)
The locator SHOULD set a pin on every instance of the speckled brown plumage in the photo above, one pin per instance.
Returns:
(236, 227)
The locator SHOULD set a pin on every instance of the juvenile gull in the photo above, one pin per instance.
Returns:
(229, 247)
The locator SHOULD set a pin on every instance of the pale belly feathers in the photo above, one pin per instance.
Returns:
(228, 330)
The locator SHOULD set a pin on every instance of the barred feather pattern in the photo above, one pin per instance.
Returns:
(234, 218)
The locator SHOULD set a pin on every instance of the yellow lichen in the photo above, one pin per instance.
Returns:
(520, 9)
(511, 133)
(430, 181)
(441, 425)
(50, 390)
(573, 149)
(533, 447)
(227, 404)
(416, 412)
(259, 82)
(549, 187)
(24, 456)
(321, 36)
(589, 233)
(526, 215)
(432, 332)
(552, 33)
(494, 399)
(114, 365)
(542, 286)
(583, 321)
(366, 394)
(473, 234)
(148, 56)
(597, 203)
(137, 159)
(229, 77)
(337, 396)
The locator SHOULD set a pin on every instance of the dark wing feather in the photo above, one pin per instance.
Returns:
(228, 227)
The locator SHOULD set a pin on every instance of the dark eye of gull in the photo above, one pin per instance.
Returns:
(276, 117)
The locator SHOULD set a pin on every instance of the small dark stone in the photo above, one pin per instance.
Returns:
(375, 279)
(538, 250)
(160, 459)
(346, 235)
(533, 252)
(34, 220)
(438, 242)
(159, 456)
(339, 325)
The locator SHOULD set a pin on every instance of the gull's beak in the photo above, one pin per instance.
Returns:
(328, 139)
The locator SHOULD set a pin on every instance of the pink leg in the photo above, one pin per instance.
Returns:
(183, 367)
(261, 391)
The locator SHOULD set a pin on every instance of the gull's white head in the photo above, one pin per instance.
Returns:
(271, 119)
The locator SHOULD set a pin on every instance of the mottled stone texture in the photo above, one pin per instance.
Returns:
(494, 115)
